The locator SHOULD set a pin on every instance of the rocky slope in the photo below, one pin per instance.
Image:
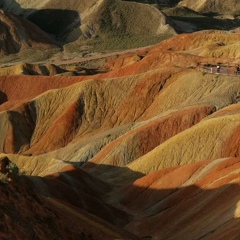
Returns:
(106, 19)
(18, 34)
(195, 201)
(148, 149)
(25, 214)
(212, 6)
(89, 27)
(138, 144)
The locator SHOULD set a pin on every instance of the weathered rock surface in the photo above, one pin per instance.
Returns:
(151, 146)
(68, 21)
(214, 6)
(25, 214)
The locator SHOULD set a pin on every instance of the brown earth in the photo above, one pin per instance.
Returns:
(27, 215)
(105, 19)
(196, 201)
(148, 148)
(18, 34)
(212, 6)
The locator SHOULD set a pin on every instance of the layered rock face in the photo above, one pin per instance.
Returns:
(147, 150)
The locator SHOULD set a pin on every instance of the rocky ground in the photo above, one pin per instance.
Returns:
(135, 144)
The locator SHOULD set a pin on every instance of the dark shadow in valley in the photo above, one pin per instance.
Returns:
(158, 213)
(160, 3)
(61, 24)
(183, 213)
(113, 175)
(210, 14)
(164, 3)
(208, 23)
(3, 97)
(89, 71)
(58, 23)
(23, 125)
(188, 212)
(86, 192)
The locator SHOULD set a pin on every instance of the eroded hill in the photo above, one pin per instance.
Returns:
(84, 28)
(148, 149)
(98, 25)
(18, 34)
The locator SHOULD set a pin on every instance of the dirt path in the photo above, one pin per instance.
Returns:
(80, 60)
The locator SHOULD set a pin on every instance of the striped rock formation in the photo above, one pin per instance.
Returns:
(150, 148)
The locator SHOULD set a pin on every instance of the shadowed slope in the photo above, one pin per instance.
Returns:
(202, 202)
(184, 211)
(161, 132)
(79, 189)
(28, 215)
(110, 24)
(18, 34)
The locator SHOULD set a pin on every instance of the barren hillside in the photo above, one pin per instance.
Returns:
(135, 144)
(148, 148)
(108, 20)
(88, 27)
(18, 34)
(214, 6)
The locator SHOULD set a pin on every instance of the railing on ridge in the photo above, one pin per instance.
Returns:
(222, 69)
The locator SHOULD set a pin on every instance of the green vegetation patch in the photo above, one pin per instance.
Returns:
(115, 43)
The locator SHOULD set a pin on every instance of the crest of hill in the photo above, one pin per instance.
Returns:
(108, 19)
(146, 86)
(201, 39)
(178, 126)
(212, 6)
